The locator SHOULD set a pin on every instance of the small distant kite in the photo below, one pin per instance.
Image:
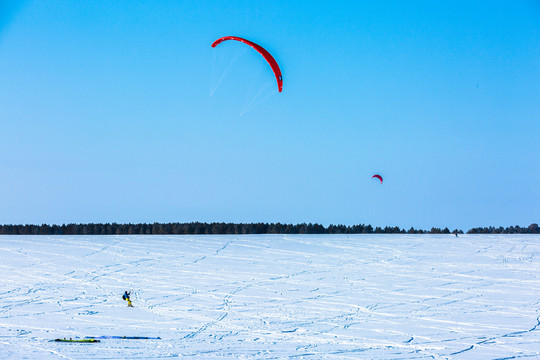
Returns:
(269, 58)
(378, 177)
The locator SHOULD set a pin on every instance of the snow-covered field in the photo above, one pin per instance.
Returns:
(272, 296)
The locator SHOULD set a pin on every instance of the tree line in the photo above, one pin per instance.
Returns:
(531, 229)
(201, 228)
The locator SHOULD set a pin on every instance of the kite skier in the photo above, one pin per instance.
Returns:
(126, 297)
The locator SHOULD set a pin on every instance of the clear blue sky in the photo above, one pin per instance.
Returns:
(108, 112)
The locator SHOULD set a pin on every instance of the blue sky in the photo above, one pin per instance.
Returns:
(108, 112)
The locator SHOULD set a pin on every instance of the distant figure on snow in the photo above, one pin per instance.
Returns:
(456, 235)
(126, 297)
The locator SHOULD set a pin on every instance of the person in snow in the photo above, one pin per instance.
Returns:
(126, 297)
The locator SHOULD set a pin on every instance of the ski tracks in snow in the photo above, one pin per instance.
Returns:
(273, 296)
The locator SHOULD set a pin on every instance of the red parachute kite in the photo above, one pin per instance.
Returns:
(269, 58)
(378, 177)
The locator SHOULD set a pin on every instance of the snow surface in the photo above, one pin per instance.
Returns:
(272, 296)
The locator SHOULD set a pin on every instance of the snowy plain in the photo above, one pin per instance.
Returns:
(272, 296)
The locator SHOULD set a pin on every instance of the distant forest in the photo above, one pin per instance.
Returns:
(198, 228)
